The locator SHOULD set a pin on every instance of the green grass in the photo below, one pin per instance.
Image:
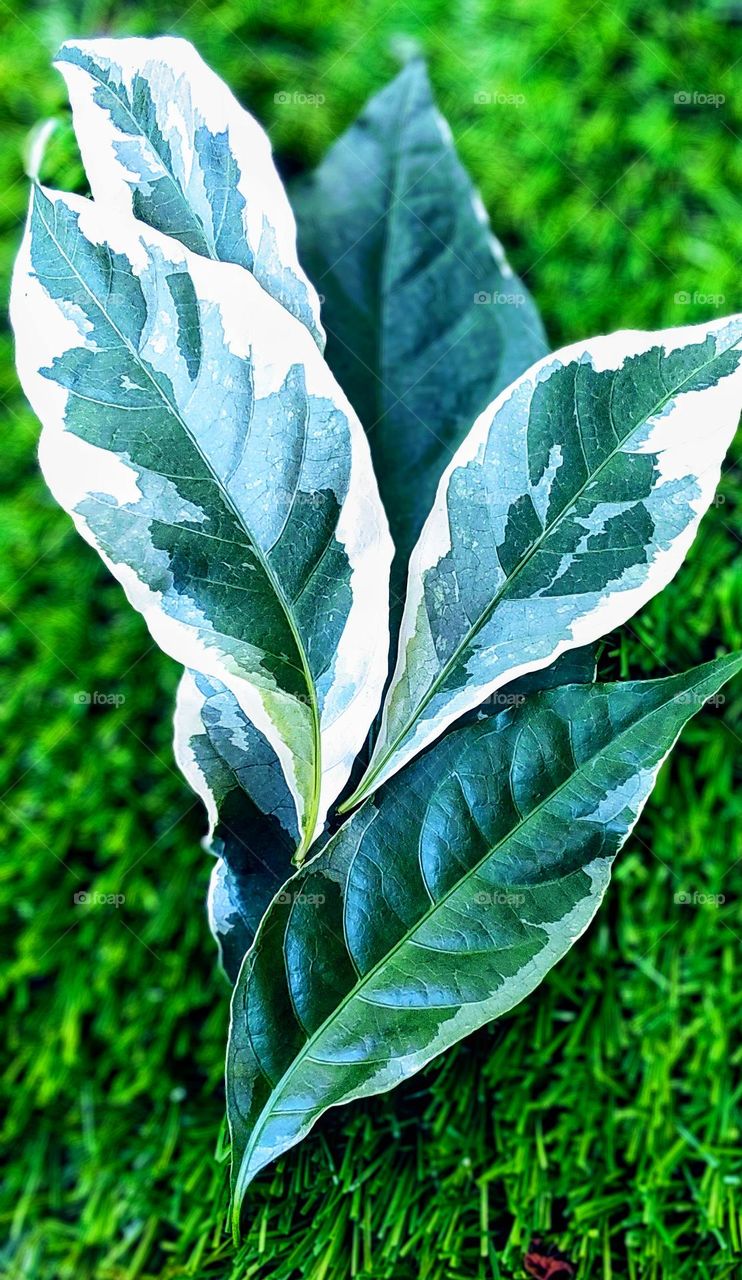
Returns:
(604, 1112)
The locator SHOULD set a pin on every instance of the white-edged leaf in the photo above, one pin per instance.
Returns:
(571, 503)
(198, 439)
(162, 137)
(442, 902)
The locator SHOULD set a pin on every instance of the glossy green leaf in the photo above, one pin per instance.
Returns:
(576, 666)
(425, 320)
(198, 439)
(252, 823)
(162, 137)
(442, 902)
(571, 503)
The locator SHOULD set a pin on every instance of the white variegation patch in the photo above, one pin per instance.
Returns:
(187, 95)
(220, 907)
(689, 436)
(255, 326)
(187, 725)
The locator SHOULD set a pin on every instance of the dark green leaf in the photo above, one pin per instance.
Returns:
(425, 321)
(442, 902)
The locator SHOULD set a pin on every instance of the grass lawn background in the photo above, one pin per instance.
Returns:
(603, 1112)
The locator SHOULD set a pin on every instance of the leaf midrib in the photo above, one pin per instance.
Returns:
(434, 907)
(313, 812)
(367, 784)
(142, 132)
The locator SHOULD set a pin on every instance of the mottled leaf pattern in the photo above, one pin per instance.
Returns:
(171, 346)
(252, 821)
(252, 824)
(162, 137)
(194, 432)
(425, 320)
(571, 503)
(442, 902)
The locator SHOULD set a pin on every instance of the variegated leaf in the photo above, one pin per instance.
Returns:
(195, 434)
(252, 823)
(252, 820)
(574, 666)
(571, 503)
(442, 902)
(162, 137)
(426, 321)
